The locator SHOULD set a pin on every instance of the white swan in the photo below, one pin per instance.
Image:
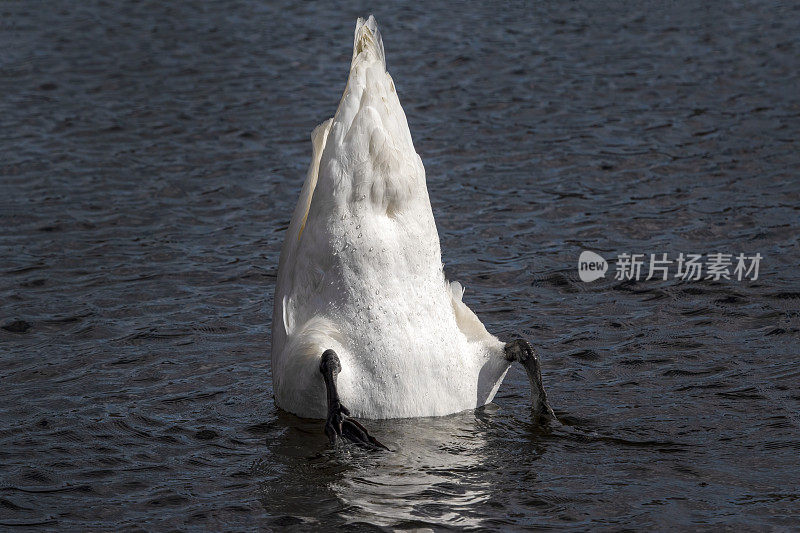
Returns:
(363, 314)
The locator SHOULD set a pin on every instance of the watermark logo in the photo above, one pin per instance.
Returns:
(686, 266)
(591, 266)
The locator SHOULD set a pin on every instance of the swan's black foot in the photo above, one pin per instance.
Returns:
(339, 423)
(521, 351)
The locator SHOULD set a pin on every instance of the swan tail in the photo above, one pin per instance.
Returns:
(367, 41)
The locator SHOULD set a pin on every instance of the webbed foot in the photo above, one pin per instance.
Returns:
(339, 423)
(521, 351)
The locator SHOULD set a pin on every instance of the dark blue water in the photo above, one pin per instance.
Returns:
(151, 156)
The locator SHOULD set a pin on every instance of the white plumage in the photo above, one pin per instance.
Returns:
(361, 271)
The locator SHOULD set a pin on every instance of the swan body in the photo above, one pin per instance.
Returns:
(361, 272)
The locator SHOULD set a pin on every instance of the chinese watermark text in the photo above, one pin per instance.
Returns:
(686, 266)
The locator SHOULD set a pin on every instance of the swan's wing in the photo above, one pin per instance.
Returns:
(347, 148)
(467, 321)
(283, 312)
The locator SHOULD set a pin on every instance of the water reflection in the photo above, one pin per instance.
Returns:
(440, 470)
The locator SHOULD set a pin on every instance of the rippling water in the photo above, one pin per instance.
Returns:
(151, 156)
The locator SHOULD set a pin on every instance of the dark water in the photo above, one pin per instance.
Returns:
(151, 156)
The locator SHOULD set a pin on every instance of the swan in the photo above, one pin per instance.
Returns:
(365, 325)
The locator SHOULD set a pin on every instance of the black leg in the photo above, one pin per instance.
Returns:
(339, 422)
(521, 351)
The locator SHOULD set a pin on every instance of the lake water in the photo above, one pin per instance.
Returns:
(151, 157)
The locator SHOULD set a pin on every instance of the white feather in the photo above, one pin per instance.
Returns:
(361, 271)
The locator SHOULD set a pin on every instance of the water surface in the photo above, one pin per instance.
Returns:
(151, 156)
